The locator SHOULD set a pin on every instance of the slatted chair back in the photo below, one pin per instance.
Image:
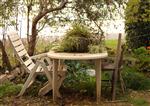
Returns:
(20, 51)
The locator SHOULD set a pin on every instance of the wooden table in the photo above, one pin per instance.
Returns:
(78, 56)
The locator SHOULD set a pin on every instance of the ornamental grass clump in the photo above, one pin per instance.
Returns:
(79, 39)
(76, 39)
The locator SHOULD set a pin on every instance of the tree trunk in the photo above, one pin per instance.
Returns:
(28, 20)
(5, 60)
(17, 18)
(42, 12)
(32, 42)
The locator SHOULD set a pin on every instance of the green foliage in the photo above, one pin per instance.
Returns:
(9, 89)
(78, 79)
(135, 80)
(7, 8)
(138, 102)
(78, 39)
(96, 48)
(137, 23)
(143, 56)
(43, 47)
(78, 30)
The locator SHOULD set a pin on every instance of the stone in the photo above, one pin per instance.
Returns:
(3, 78)
(10, 77)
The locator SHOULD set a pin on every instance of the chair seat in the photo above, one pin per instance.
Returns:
(62, 69)
(109, 67)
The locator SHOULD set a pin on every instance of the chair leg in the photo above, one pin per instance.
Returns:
(114, 83)
(32, 80)
(45, 89)
(48, 85)
(60, 80)
(122, 85)
(29, 79)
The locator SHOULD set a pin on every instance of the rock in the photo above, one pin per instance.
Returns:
(90, 72)
(6, 72)
(10, 77)
(16, 72)
(3, 78)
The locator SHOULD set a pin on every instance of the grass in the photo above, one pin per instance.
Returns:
(111, 43)
(138, 102)
(135, 100)
(135, 80)
(9, 89)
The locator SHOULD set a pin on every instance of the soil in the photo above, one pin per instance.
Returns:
(69, 100)
(46, 101)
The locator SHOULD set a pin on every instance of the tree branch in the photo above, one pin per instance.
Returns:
(43, 13)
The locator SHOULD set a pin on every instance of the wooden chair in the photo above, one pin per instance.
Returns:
(115, 68)
(34, 68)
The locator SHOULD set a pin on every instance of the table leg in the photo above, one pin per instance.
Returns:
(98, 79)
(55, 74)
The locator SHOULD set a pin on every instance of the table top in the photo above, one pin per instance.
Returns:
(76, 56)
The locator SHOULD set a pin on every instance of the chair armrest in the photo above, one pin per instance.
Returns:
(42, 65)
(39, 56)
(42, 58)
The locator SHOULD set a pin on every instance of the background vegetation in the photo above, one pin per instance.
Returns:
(137, 23)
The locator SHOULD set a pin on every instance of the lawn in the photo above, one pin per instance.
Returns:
(111, 43)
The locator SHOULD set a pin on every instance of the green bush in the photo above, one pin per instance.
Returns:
(135, 80)
(143, 57)
(137, 23)
(78, 79)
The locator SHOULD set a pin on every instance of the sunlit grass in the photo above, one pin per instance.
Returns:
(111, 43)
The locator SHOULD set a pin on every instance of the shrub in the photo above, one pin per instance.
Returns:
(137, 23)
(78, 79)
(143, 57)
(135, 80)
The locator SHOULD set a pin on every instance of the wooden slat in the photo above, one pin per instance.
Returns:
(14, 38)
(31, 66)
(28, 62)
(17, 43)
(22, 53)
(19, 48)
(39, 69)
